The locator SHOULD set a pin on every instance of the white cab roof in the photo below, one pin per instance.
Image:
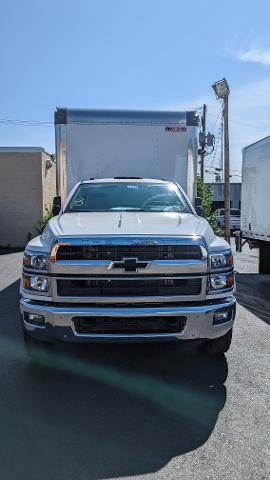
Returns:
(127, 180)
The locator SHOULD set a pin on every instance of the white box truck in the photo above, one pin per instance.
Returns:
(255, 201)
(101, 143)
(127, 258)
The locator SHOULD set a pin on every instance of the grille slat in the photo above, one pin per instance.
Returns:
(126, 288)
(118, 252)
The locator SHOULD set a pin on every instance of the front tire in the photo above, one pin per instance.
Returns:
(38, 351)
(218, 345)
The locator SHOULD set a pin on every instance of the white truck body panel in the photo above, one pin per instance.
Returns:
(255, 200)
(134, 223)
(107, 144)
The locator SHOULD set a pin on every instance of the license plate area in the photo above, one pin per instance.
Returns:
(128, 325)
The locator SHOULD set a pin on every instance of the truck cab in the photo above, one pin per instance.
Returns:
(128, 260)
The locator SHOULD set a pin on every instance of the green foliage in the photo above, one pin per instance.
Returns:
(206, 195)
(47, 216)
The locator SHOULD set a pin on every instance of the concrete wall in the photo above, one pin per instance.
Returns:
(26, 186)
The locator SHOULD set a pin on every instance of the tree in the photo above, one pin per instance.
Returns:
(47, 216)
(206, 194)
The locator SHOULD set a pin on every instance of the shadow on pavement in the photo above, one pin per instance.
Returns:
(253, 294)
(104, 410)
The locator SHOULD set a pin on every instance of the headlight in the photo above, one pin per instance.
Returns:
(221, 260)
(35, 261)
(38, 284)
(218, 282)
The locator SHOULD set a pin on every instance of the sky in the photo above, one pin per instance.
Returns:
(134, 54)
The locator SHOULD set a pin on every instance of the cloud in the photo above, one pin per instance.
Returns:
(255, 55)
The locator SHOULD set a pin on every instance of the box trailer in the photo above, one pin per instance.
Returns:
(255, 200)
(103, 143)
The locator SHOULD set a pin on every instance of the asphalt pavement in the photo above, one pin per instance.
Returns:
(161, 411)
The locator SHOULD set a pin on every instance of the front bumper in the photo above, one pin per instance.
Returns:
(59, 325)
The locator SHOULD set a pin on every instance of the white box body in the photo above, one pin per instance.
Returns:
(101, 144)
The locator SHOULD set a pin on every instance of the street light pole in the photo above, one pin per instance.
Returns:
(226, 172)
(203, 142)
(221, 89)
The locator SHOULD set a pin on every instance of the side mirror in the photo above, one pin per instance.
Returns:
(199, 210)
(56, 207)
(198, 206)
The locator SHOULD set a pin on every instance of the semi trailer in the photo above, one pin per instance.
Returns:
(255, 200)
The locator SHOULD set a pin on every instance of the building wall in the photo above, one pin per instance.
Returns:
(48, 181)
(218, 194)
(23, 184)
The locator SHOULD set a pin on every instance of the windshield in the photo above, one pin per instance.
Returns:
(128, 197)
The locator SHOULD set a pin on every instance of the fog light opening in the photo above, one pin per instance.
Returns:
(222, 317)
(34, 319)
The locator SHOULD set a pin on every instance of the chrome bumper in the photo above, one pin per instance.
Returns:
(59, 324)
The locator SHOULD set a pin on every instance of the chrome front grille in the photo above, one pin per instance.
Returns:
(128, 269)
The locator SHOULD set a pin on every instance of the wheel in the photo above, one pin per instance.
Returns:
(218, 345)
(264, 260)
(37, 350)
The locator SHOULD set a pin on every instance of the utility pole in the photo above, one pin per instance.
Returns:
(221, 89)
(221, 163)
(203, 136)
(226, 172)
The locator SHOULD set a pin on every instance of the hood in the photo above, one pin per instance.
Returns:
(131, 223)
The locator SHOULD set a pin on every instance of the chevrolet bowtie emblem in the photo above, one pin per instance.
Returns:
(128, 264)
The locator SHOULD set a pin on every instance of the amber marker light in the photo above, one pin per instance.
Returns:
(26, 283)
(55, 248)
(229, 261)
(230, 280)
(26, 261)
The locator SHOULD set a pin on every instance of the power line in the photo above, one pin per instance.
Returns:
(242, 123)
(217, 142)
(47, 123)
(42, 123)
(217, 116)
(30, 123)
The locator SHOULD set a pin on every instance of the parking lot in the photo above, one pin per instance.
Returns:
(138, 411)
